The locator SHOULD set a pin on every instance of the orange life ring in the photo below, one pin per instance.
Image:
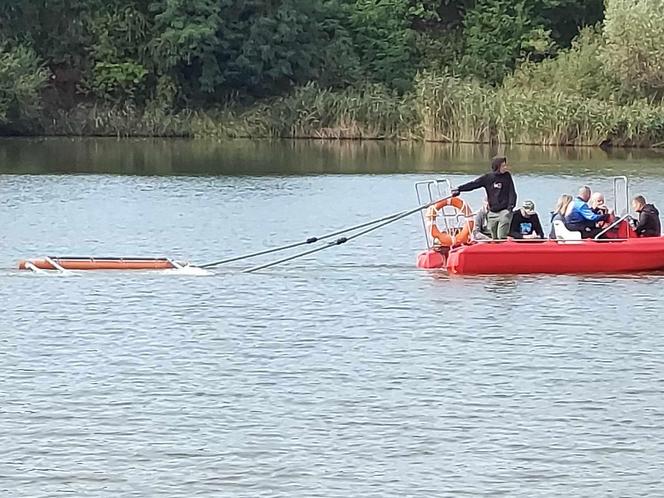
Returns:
(463, 236)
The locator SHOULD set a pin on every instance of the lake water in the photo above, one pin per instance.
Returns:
(346, 374)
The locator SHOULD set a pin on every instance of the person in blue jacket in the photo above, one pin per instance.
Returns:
(581, 218)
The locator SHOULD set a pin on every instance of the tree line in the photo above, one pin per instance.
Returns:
(57, 55)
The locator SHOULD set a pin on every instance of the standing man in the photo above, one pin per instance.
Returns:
(500, 194)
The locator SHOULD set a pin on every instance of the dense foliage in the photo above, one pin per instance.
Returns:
(397, 68)
(634, 34)
(21, 79)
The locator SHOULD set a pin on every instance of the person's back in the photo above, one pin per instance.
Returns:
(558, 213)
(580, 217)
(480, 227)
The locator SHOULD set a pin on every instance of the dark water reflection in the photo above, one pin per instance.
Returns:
(244, 157)
(348, 374)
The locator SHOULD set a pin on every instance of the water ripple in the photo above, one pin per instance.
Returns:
(344, 375)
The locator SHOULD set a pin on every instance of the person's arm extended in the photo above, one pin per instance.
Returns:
(473, 185)
(537, 225)
(585, 211)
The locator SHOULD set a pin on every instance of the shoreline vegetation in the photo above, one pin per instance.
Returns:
(535, 72)
(445, 109)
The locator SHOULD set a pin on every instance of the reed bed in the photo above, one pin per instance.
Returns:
(117, 121)
(447, 109)
(441, 108)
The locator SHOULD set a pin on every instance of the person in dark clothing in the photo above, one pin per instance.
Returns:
(525, 223)
(500, 194)
(648, 224)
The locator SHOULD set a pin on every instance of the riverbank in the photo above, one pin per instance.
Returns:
(440, 109)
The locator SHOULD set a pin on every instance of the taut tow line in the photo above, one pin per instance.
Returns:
(374, 225)
(65, 264)
(310, 240)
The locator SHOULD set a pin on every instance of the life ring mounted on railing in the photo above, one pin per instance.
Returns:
(458, 235)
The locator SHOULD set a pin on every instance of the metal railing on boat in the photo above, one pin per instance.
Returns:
(431, 190)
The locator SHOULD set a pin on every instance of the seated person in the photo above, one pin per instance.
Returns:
(581, 218)
(598, 205)
(525, 223)
(480, 227)
(559, 212)
(648, 224)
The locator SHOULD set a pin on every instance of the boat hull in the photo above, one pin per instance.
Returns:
(553, 257)
(99, 264)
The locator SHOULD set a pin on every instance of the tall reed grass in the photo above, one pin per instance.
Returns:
(371, 112)
(117, 121)
(441, 108)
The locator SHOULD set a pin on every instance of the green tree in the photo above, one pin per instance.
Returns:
(386, 41)
(269, 47)
(215, 48)
(22, 78)
(634, 31)
(119, 35)
(185, 42)
(499, 32)
(566, 17)
(579, 71)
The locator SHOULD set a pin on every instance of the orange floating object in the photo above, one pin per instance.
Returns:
(461, 235)
(88, 263)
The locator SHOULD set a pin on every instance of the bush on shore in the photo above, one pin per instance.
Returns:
(22, 77)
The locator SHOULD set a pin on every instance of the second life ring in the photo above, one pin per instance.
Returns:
(459, 235)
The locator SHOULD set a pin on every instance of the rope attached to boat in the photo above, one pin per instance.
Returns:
(310, 240)
(374, 225)
(63, 265)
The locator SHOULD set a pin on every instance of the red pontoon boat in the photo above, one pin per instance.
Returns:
(450, 248)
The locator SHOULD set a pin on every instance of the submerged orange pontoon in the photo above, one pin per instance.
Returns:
(104, 263)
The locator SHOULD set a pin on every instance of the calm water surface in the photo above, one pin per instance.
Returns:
(348, 374)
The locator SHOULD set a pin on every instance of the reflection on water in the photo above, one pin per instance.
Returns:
(303, 157)
(348, 374)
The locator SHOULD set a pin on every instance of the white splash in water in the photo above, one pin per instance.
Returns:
(188, 270)
(49, 273)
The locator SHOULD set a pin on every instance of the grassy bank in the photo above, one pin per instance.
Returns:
(441, 108)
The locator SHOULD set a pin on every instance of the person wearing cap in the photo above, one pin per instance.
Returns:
(526, 223)
(500, 194)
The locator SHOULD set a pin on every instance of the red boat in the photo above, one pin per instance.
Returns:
(450, 249)
(556, 257)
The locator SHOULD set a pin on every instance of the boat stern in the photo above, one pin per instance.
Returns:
(430, 260)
